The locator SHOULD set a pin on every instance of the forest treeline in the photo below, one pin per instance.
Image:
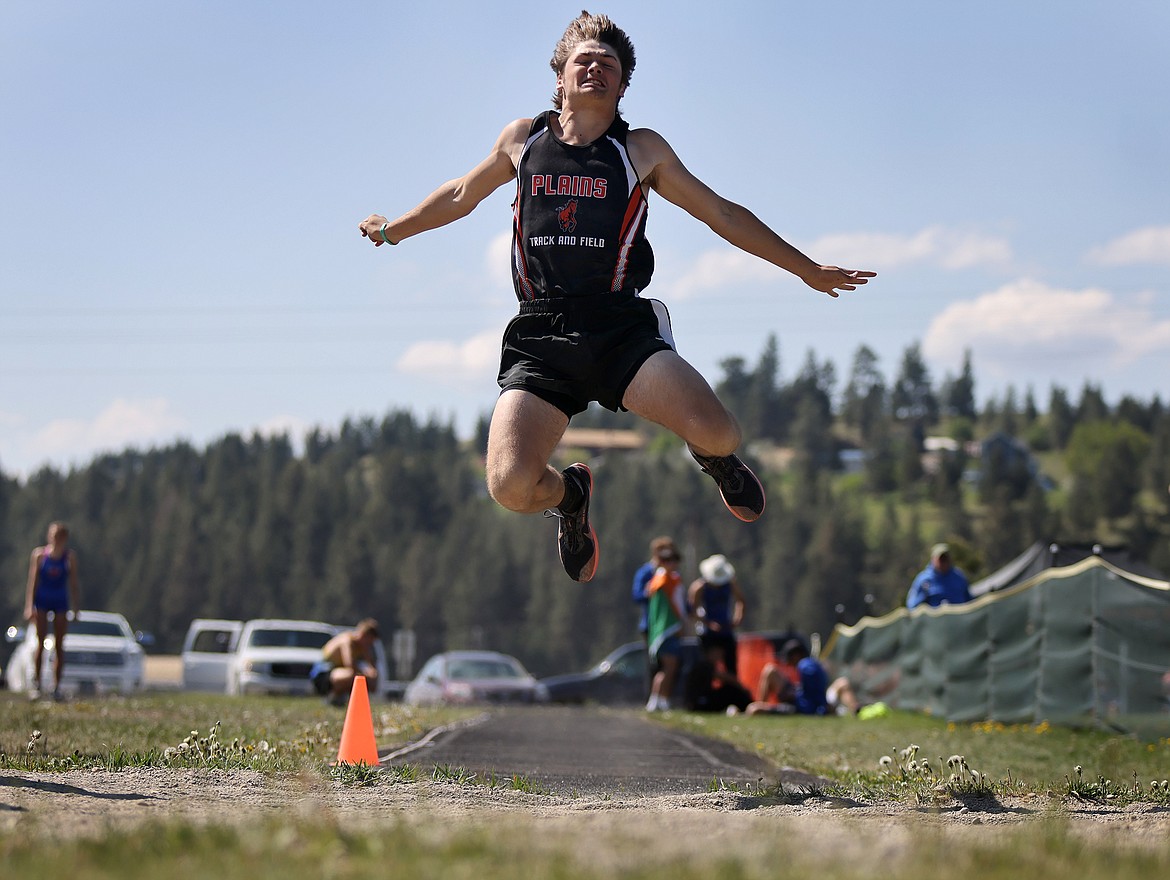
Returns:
(389, 517)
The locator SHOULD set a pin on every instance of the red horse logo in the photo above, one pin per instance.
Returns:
(567, 215)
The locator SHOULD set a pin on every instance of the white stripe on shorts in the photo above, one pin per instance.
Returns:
(664, 329)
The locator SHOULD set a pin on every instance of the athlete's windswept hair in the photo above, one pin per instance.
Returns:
(593, 27)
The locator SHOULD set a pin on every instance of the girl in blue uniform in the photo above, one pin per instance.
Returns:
(52, 589)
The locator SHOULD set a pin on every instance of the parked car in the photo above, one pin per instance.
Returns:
(12, 635)
(102, 655)
(263, 656)
(274, 656)
(208, 650)
(620, 678)
(461, 677)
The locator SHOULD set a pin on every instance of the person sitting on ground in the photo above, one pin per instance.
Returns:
(814, 695)
(344, 657)
(712, 688)
(940, 582)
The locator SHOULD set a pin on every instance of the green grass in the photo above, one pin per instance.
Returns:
(269, 734)
(291, 735)
(1036, 759)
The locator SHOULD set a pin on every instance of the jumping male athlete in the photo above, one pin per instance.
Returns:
(580, 261)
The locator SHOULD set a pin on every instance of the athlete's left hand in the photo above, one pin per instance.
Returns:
(370, 226)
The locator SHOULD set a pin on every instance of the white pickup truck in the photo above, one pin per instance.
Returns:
(208, 650)
(260, 656)
(102, 654)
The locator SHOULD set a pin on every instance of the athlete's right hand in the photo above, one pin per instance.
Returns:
(370, 226)
(827, 279)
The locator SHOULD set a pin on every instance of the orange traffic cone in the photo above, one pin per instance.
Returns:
(357, 737)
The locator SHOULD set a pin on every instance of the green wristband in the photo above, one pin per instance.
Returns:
(382, 232)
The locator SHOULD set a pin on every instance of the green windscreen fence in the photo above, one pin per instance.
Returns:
(1088, 643)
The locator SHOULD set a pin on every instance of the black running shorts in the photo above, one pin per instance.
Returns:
(572, 350)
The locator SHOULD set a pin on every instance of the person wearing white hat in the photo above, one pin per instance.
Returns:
(719, 606)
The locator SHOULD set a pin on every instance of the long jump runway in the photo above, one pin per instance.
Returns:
(589, 751)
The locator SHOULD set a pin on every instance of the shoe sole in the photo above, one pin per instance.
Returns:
(746, 514)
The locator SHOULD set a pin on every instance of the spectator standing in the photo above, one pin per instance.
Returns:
(52, 588)
(659, 546)
(940, 582)
(665, 615)
(718, 606)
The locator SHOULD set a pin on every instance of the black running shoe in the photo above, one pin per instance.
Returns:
(576, 539)
(741, 491)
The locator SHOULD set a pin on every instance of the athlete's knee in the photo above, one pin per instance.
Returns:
(512, 487)
(716, 434)
(506, 494)
(729, 438)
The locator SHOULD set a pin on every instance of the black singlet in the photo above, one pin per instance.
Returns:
(579, 224)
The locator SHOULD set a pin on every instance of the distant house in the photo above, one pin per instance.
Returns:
(940, 444)
(1011, 456)
(851, 460)
(1012, 452)
(933, 449)
(598, 440)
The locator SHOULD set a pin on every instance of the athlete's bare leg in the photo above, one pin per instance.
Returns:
(60, 627)
(524, 432)
(670, 392)
(42, 625)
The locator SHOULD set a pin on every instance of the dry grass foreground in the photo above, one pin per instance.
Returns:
(95, 803)
(148, 821)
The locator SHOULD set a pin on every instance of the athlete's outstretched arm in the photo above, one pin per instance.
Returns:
(34, 564)
(666, 174)
(455, 198)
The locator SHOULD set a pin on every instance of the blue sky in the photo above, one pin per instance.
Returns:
(182, 183)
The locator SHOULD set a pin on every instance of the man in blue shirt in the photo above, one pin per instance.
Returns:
(810, 694)
(659, 547)
(940, 582)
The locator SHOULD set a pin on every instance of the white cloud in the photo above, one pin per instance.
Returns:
(1027, 323)
(124, 423)
(934, 245)
(455, 361)
(1150, 245)
(716, 270)
(451, 360)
